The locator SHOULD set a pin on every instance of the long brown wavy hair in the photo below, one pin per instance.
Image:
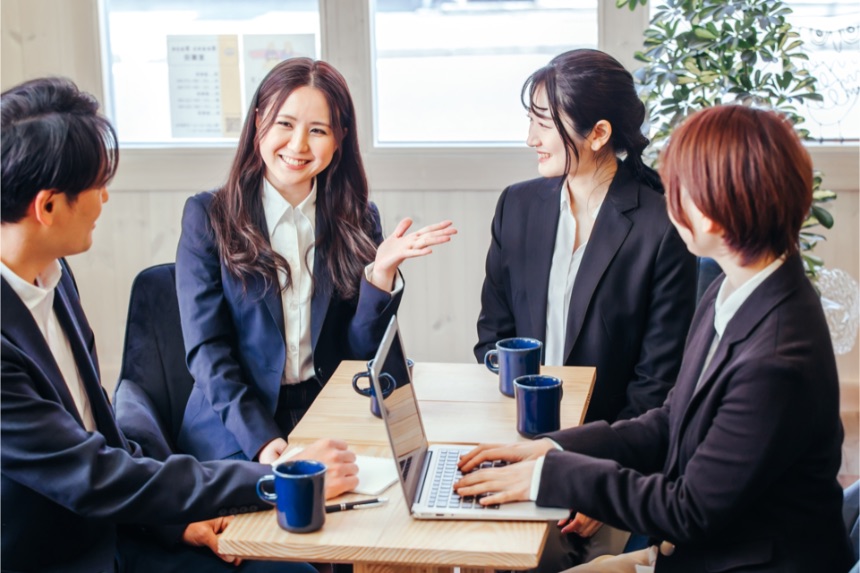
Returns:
(344, 227)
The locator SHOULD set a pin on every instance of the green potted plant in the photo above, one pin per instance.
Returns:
(700, 53)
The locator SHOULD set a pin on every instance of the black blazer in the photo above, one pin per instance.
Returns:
(741, 474)
(64, 489)
(235, 340)
(632, 300)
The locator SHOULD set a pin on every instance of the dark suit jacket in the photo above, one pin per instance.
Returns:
(64, 489)
(740, 475)
(632, 300)
(235, 341)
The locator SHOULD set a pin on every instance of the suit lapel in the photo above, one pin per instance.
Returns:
(756, 308)
(87, 368)
(542, 225)
(21, 329)
(610, 229)
(321, 288)
(691, 366)
(271, 296)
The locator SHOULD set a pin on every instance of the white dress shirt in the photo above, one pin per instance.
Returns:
(562, 275)
(292, 231)
(39, 299)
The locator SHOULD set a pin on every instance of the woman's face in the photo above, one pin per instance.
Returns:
(545, 138)
(299, 145)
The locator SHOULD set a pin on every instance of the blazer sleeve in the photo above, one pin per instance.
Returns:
(728, 471)
(374, 308)
(47, 451)
(640, 444)
(210, 334)
(496, 320)
(673, 302)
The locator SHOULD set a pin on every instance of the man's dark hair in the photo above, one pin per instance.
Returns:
(52, 138)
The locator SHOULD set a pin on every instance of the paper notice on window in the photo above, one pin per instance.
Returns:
(262, 52)
(205, 97)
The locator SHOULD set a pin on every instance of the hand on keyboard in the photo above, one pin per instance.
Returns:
(499, 483)
(442, 494)
(512, 453)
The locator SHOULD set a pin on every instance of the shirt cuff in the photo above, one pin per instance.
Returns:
(398, 280)
(535, 487)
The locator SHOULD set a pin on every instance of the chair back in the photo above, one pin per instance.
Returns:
(706, 271)
(851, 516)
(153, 357)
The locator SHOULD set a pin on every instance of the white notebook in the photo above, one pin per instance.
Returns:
(375, 475)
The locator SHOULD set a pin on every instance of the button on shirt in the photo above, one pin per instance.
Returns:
(562, 275)
(292, 232)
(39, 299)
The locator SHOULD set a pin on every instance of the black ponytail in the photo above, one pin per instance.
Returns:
(588, 86)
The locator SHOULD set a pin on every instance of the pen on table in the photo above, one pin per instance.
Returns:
(363, 504)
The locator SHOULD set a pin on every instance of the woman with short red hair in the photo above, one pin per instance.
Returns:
(737, 470)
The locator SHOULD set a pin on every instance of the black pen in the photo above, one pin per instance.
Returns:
(363, 504)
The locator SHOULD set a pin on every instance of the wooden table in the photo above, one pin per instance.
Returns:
(460, 403)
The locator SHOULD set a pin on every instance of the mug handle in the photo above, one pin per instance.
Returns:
(271, 498)
(362, 391)
(389, 384)
(491, 360)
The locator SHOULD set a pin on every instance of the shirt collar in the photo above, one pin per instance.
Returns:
(725, 307)
(33, 294)
(275, 206)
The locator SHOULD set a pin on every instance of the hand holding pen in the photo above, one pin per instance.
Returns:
(363, 504)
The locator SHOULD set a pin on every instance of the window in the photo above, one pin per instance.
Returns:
(451, 71)
(830, 31)
(183, 71)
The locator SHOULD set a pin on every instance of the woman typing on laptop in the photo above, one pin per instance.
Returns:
(737, 470)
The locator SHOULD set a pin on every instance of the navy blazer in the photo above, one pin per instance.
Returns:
(632, 300)
(741, 474)
(235, 342)
(64, 490)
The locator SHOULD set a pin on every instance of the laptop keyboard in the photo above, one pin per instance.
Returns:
(442, 493)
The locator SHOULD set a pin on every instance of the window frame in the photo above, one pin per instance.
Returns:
(346, 31)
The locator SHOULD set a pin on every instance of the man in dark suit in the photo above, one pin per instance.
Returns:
(737, 470)
(76, 495)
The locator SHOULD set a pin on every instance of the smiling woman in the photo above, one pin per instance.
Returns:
(283, 272)
(299, 145)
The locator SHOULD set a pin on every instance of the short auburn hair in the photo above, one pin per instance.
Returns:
(747, 170)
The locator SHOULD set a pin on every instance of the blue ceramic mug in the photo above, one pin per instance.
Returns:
(388, 383)
(298, 496)
(512, 358)
(538, 404)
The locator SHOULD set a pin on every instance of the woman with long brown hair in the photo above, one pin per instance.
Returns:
(284, 272)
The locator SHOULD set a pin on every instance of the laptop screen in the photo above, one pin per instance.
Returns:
(400, 409)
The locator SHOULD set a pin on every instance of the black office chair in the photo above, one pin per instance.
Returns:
(706, 271)
(154, 383)
(851, 517)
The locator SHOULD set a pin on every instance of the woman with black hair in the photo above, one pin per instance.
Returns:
(585, 258)
(283, 272)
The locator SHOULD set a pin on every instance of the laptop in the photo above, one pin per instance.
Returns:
(427, 473)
